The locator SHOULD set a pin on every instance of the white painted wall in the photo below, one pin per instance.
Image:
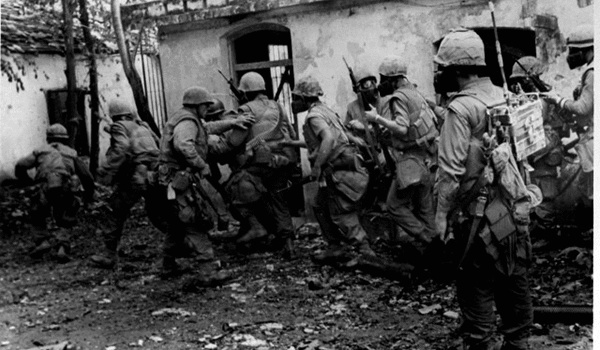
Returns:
(24, 115)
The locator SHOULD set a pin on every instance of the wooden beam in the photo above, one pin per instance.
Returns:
(261, 65)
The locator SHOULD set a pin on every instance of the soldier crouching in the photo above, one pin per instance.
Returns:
(59, 173)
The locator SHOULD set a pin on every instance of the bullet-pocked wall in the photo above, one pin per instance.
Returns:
(364, 34)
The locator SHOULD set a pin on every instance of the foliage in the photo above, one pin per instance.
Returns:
(31, 27)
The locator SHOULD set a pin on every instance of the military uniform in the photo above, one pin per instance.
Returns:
(262, 168)
(59, 173)
(493, 266)
(409, 200)
(181, 173)
(133, 153)
(336, 202)
(580, 109)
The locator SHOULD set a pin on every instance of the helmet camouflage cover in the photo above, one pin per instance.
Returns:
(461, 47)
(532, 65)
(309, 87)
(392, 66)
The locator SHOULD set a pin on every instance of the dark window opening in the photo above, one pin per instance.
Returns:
(267, 50)
(514, 43)
(57, 113)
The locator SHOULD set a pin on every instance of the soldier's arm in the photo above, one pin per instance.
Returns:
(218, 127)
(23, 165)
(584, 105)
(452, 156)
(116, 154)
(321, 128)
(184, 141)
(397, 123)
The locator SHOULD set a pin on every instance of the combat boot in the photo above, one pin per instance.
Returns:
(106, 260)
(365, 250)
(256, 231)
(333, 254)
(289, 251)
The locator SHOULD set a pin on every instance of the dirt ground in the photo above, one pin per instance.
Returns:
(270, 304)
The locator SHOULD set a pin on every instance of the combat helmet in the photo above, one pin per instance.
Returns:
(118, 108)
(392, 66)
(57, 131)
(525, 65)
(252, 81)
(215, 108)
(196, 95)
(364, 74)
(582, 37)
(308, 87)
(461, 47)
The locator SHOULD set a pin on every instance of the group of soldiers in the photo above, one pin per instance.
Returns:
(450, 177)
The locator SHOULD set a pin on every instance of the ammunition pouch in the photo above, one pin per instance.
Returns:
(181, 181)
(165, 173)
(244, 187)
(499, 219)
(411, 170)
(349, 181)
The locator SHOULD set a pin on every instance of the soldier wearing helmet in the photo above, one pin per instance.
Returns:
(338, 170)
(182, 175)
(132, 154)
(263, 168)
(495, 253)
(58, 174)
(367, 85)
(580, 110)
(526, 74)
(410, 121)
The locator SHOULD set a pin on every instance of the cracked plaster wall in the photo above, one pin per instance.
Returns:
(24, 114)
(364, 35)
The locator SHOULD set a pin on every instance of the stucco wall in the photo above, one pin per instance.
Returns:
(24, 114)
(364, 35)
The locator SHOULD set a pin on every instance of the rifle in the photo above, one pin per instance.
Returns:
(239, 95)
(363, 119)
(284, 78)
(534, 79)
(300, 183)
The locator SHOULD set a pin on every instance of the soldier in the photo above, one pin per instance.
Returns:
(411, 123)
(263, 167)
(368, 87)
(182, 174)
(337, 168)
(490, 269)
(580, 110)
(218, 122)
(59, 173)
(132, 154)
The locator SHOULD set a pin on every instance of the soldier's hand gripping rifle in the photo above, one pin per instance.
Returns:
(239, 95)
(363, 119)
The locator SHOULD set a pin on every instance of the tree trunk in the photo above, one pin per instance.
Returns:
(132, 76)
(95, 100)
(72, 115)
